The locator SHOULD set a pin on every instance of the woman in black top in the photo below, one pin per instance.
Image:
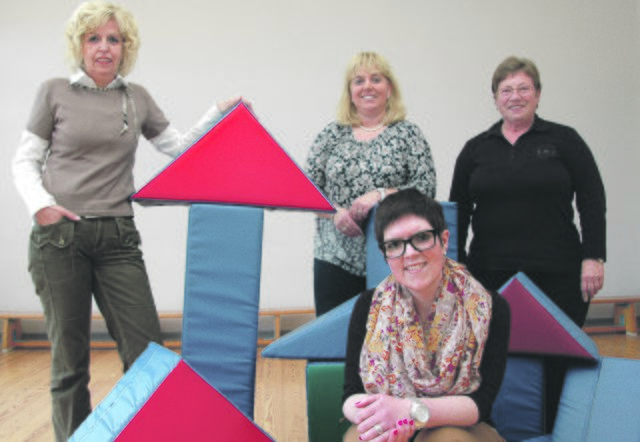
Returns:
(516, 185)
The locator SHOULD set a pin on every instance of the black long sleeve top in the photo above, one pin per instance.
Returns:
(519, 200)
(492, 366)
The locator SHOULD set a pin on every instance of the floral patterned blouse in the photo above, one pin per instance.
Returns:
(345, 169)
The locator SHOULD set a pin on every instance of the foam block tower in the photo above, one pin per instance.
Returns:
(227, 177)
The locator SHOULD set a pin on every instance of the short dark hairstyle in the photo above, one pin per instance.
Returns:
(408, 202)
(511, 66)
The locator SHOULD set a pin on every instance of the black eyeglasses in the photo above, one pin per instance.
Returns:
(421, 241)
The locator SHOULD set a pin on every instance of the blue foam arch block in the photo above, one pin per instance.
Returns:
(377, 268)
(133, 390)
(222, 298)
(600, 402)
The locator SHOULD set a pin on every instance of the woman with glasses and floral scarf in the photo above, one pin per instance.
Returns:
(427, 348)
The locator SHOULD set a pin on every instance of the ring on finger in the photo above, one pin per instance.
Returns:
(378, 428)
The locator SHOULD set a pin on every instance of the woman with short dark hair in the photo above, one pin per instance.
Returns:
(427, 349)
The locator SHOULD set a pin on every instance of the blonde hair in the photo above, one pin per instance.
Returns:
(91, 15)
(371, 61)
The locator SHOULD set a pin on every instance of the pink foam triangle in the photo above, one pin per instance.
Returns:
(186, 408)
(235, 162)
(535, 330)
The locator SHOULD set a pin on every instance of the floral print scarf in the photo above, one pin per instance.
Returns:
(403, 358)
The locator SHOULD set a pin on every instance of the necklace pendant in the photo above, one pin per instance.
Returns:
(372, 129)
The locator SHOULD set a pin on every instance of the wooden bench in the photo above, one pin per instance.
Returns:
(624, 316)
(277, 321)
(12, 331)
(12, 336)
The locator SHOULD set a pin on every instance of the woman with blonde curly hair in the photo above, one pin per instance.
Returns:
(90, 17)
(370, 151)
(74, 170)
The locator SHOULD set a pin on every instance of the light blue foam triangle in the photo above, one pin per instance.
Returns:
(126, 398)
(324, 338)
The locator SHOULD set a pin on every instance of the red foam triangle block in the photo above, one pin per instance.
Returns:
(186, 408)
(534, 329)
(235, 162)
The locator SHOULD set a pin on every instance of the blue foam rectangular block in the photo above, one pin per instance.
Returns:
(518, 410)
(600, 402)
(222, 298)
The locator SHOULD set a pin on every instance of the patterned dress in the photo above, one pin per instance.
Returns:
(345, 169)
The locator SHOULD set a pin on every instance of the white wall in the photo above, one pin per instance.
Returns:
(288, 57)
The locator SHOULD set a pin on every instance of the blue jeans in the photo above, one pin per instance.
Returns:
(71, 263)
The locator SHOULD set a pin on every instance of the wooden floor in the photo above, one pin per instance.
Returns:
(280, 390)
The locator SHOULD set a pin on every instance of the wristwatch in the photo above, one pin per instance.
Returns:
(419, 412)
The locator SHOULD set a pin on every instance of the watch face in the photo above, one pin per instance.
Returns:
(420, 412)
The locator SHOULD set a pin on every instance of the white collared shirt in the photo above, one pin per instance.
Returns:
(32, 152)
